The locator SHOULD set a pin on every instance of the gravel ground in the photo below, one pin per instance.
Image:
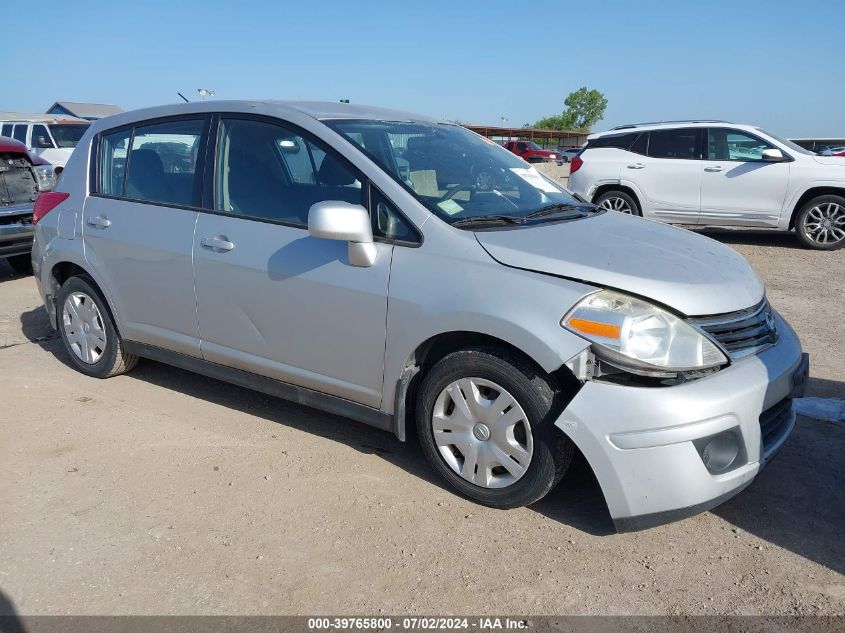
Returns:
(163, 492)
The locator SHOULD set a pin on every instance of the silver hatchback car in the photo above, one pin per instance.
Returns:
(402, 271)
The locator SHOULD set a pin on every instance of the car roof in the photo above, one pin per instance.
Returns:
(319, 110)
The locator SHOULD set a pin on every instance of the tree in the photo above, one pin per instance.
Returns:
(584, 108)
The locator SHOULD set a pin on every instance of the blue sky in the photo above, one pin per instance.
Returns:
(774, 63)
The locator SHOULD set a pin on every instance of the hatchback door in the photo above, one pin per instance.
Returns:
(668, 175)
(738, 187)
(139, 226)
(271, 299)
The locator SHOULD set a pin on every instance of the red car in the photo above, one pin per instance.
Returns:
(530, 151)
(22, 177)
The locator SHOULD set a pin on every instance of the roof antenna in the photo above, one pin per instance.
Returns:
(183, 97)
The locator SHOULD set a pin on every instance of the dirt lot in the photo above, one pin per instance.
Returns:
(165, 492)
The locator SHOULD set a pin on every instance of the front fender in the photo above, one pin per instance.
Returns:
(790, 208)
(432, 294)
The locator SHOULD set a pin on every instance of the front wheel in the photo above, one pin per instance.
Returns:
(485, 424)
(820, 223)
(618, 201)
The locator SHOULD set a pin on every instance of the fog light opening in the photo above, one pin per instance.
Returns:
(720, 451)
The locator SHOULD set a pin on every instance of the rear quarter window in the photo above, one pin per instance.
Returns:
(617, 141)
(113, 151)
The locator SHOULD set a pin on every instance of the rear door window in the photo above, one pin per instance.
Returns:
(7, 130)
(678, 143)
(162, 162)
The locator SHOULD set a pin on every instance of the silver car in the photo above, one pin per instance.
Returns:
(346, 258)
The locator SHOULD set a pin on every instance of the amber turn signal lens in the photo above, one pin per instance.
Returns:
(595, 328)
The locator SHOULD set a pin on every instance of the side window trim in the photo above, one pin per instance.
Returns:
(199, 185)
(210, 190)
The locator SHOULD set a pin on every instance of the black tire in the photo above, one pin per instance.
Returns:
(114, 359)
(552, 450)
(21, 264)
(803, 222)
(619, 195)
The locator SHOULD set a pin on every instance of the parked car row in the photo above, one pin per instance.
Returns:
(533, 153)
(48, 138)
(354, 259)
(715, 173)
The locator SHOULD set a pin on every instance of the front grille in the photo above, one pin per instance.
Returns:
(744, 332)
(775, 424)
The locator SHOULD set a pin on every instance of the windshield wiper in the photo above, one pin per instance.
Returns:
(488, 219)
(552, 208)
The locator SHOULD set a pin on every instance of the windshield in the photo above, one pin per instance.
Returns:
(68, 135)
(533, 145)
(788, 143)
(459, 175)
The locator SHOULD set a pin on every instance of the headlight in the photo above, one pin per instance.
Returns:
(45, 177)
(632, 333)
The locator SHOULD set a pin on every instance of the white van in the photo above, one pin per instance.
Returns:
(51, 138)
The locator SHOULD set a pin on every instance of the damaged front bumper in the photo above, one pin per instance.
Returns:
(648, 446)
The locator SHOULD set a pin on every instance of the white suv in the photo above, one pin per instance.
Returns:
(714, 173)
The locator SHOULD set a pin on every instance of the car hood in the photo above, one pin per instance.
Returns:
(693, 274)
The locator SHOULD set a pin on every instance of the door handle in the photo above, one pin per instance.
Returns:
(636, 166)
(99, 222)
(713, 168)
(219, 243)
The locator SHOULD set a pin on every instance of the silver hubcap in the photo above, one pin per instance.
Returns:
(482, 433)
(614, 203)
(825, 223)
(84, 329)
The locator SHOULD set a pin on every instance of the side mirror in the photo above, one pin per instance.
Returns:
(337, 220)
(773, 156)
(42, 143)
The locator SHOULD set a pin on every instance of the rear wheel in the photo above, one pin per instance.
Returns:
(820, 223)
(618, 201)
(88, 332)
(485, 424)
(21, 264)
